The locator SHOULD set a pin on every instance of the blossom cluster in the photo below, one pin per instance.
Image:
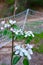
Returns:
(14, 30)
(24, 50)
(7, 25)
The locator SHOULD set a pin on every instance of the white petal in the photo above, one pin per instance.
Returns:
(10, 21)
(14, 22)
(2, 28)
(21, 53)
(25, 53)
(7, 25)
(25, 36)
(17, 47)
(3, 22)
(29, 57)
(30, 51)
(16, 33)
(11, 29)
(22, 49)
(17, 52)
(29, 46)
(30, 32)
(33, 35)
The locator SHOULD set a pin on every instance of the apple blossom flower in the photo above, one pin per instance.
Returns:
(21, 53)
(28, 33)
(29, 57)
(2, 28)
(20, 50)
(2, 22)
(17, 31)
(7, 25)
(29, 46)
(17, 47)
(12, 22)
(30, 51)
(17, 52)
(11, 29)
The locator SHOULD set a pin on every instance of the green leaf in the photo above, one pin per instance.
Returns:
(9, 33)
(28, 39)
(5, 32)
(19, 37)
(16, 26)
(25, 61)
(16, 59)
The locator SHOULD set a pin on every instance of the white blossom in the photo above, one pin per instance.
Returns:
(28, 33)
(17, 31)
(29, 57)
(2, 28)
(21, 53)
(12, 22)
(29, 46)
(2, 22)
(7, 25)
(21, 32)
(19, 49)
(17, 52)
(11, 29)
(30, 51)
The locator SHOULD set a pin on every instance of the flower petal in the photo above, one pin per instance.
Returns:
(21, 53)
(29, 57)
(2, 28)
(14, 22)
(17, 47)
(10, 21)
(17, 52)
(30, 51)
(3, 22)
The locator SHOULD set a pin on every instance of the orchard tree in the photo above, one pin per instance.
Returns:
(13, 31)
(24, 49)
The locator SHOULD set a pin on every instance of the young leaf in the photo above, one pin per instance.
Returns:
(25, 61)
(16, 59)
(15, 26)
(5, 32)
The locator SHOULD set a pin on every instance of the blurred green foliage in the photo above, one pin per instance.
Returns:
(25, 61)
(37, 39)
(9, 2)
(39, 49)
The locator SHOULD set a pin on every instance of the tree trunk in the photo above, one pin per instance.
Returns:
(12, 48)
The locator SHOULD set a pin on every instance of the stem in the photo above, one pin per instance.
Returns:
(12, 47)
(13, 34)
